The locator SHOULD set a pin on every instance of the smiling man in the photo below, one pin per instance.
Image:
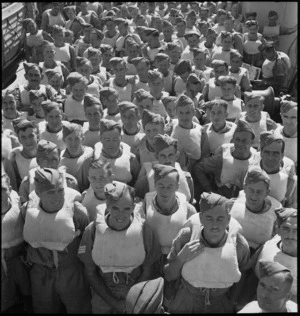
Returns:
(229, 164)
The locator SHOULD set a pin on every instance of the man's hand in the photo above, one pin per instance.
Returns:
(190, 251)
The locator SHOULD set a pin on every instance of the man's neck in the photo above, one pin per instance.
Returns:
(168, 207)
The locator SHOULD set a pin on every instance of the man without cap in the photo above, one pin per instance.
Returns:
(118, 250)
(166, 154)
(282, 247)
(280, 169)
(53, 231)
(273, 291)
(224, 172)
(209, 259)
(47, 156)
(254, 208)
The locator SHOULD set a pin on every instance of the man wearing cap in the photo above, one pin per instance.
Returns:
(23, 158)
(47, 156)
(51, 17)
(209, 259)
(280, 169)
(89, 16)
(132, 130)
(153, 124)
(125, 166)
(111, 34)
(192, 38)
(153, 44)
(275, 67)
(118, 250)
(167, 154)
(142, 66)
(224, 172)
(209, 42)
(282, 247)
(288, 129)
(74, 22)
(254, 209)
(273, 291)
(53, 230)
(83, 42)
(146, 297)
(162, 62)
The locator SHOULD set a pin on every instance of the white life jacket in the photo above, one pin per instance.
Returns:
(183, 185)
(158, 106)
(145, 154)
(119, 251)
(217, 139)
(166, 227)
(87, 17)
(258, 127)
(234, 170)
(74, 109)
(92, 204)
(251, 47)
(234, 109)
(179, 86)
(214, 267)
(239, 75)
(189, 140)
(131, 140)
(168, 83)
(187, 54)
(24, 94)
(213, 90)
(57, 68)
(81, 47)
(7, 123)
(35, 40)
(291, 144)
(11, 227)
(152, 52)
(271, 252)
(55, 19)
(91, 138)
(124, 92)
(257, 228)
(54, 231)
(56, 138)
(116, 117)
(93, 87)
(24, 164)
(74, 164)
(279, 180)
(271, 33)
(62, 53)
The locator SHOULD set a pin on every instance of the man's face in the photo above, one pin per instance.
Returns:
(174, 55)
(111, 141)
(185, 115)
(273, 292)
(33, 76)
(85, 70)
(157, 24)
(95, 60)
(254, 108)
(70, 14)
(167, 187)
(220, 71)
(272, 156)
(214, 221)
(228, 90)
(54, 119)
(203, 29)
(36, 106)
(111, 26)
(28, 138)
(167, 156)
(50, 161)
(151, 130)
(98, 179)
(228, 25)
(163, 66)
(87, 34)
(120, 212)
(142, 69)
(193, 41)
(290, 120)
(272, 20)
(227, 43)
(191, 20)
(56, 81)
(5, 193)
(181, 26)
(211, 38)
(236, 63)
(256, 194)
(218, 116)
(9, 106)
(54, 199)
(132, 52)
(156, 85)
(130, 119)
(171, 109)
(203, 14)
(74, 143)
(31, 27)
(106, 56)
(200, 60)
(193, 89)
(95, 40)
(167, 31)
(252, 30)
(146, 104)
(55, 9)
(185, 75)
(221, 19)
(122, 29)
(242, 143)
(78, 91)
(58, 37)
(120, 70)
(112, 102)
(288, 231)
(93, 115)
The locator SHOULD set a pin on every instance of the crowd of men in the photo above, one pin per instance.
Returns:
(141, 170)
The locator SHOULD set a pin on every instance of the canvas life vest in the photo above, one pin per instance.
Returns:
(183, 185)
(57, 68)
(166, 227)
(124, 92)
(11, 227)
(271, 33)
(56, 138)
(234, 109)
(93, 87)
(87, 17)
(24, 164)
(74, 109)
(63, 53)
(55, 19)
(238, 75)
(234, 170)
(217, 139)
(257, 228)
(214, 267)
(291, 144)
(92, 204)
(24, 94)
(251, 47)
(131, 140)
(54, 231)
(213, 90)
(189, 140)
(271, 252)
(118, 251)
